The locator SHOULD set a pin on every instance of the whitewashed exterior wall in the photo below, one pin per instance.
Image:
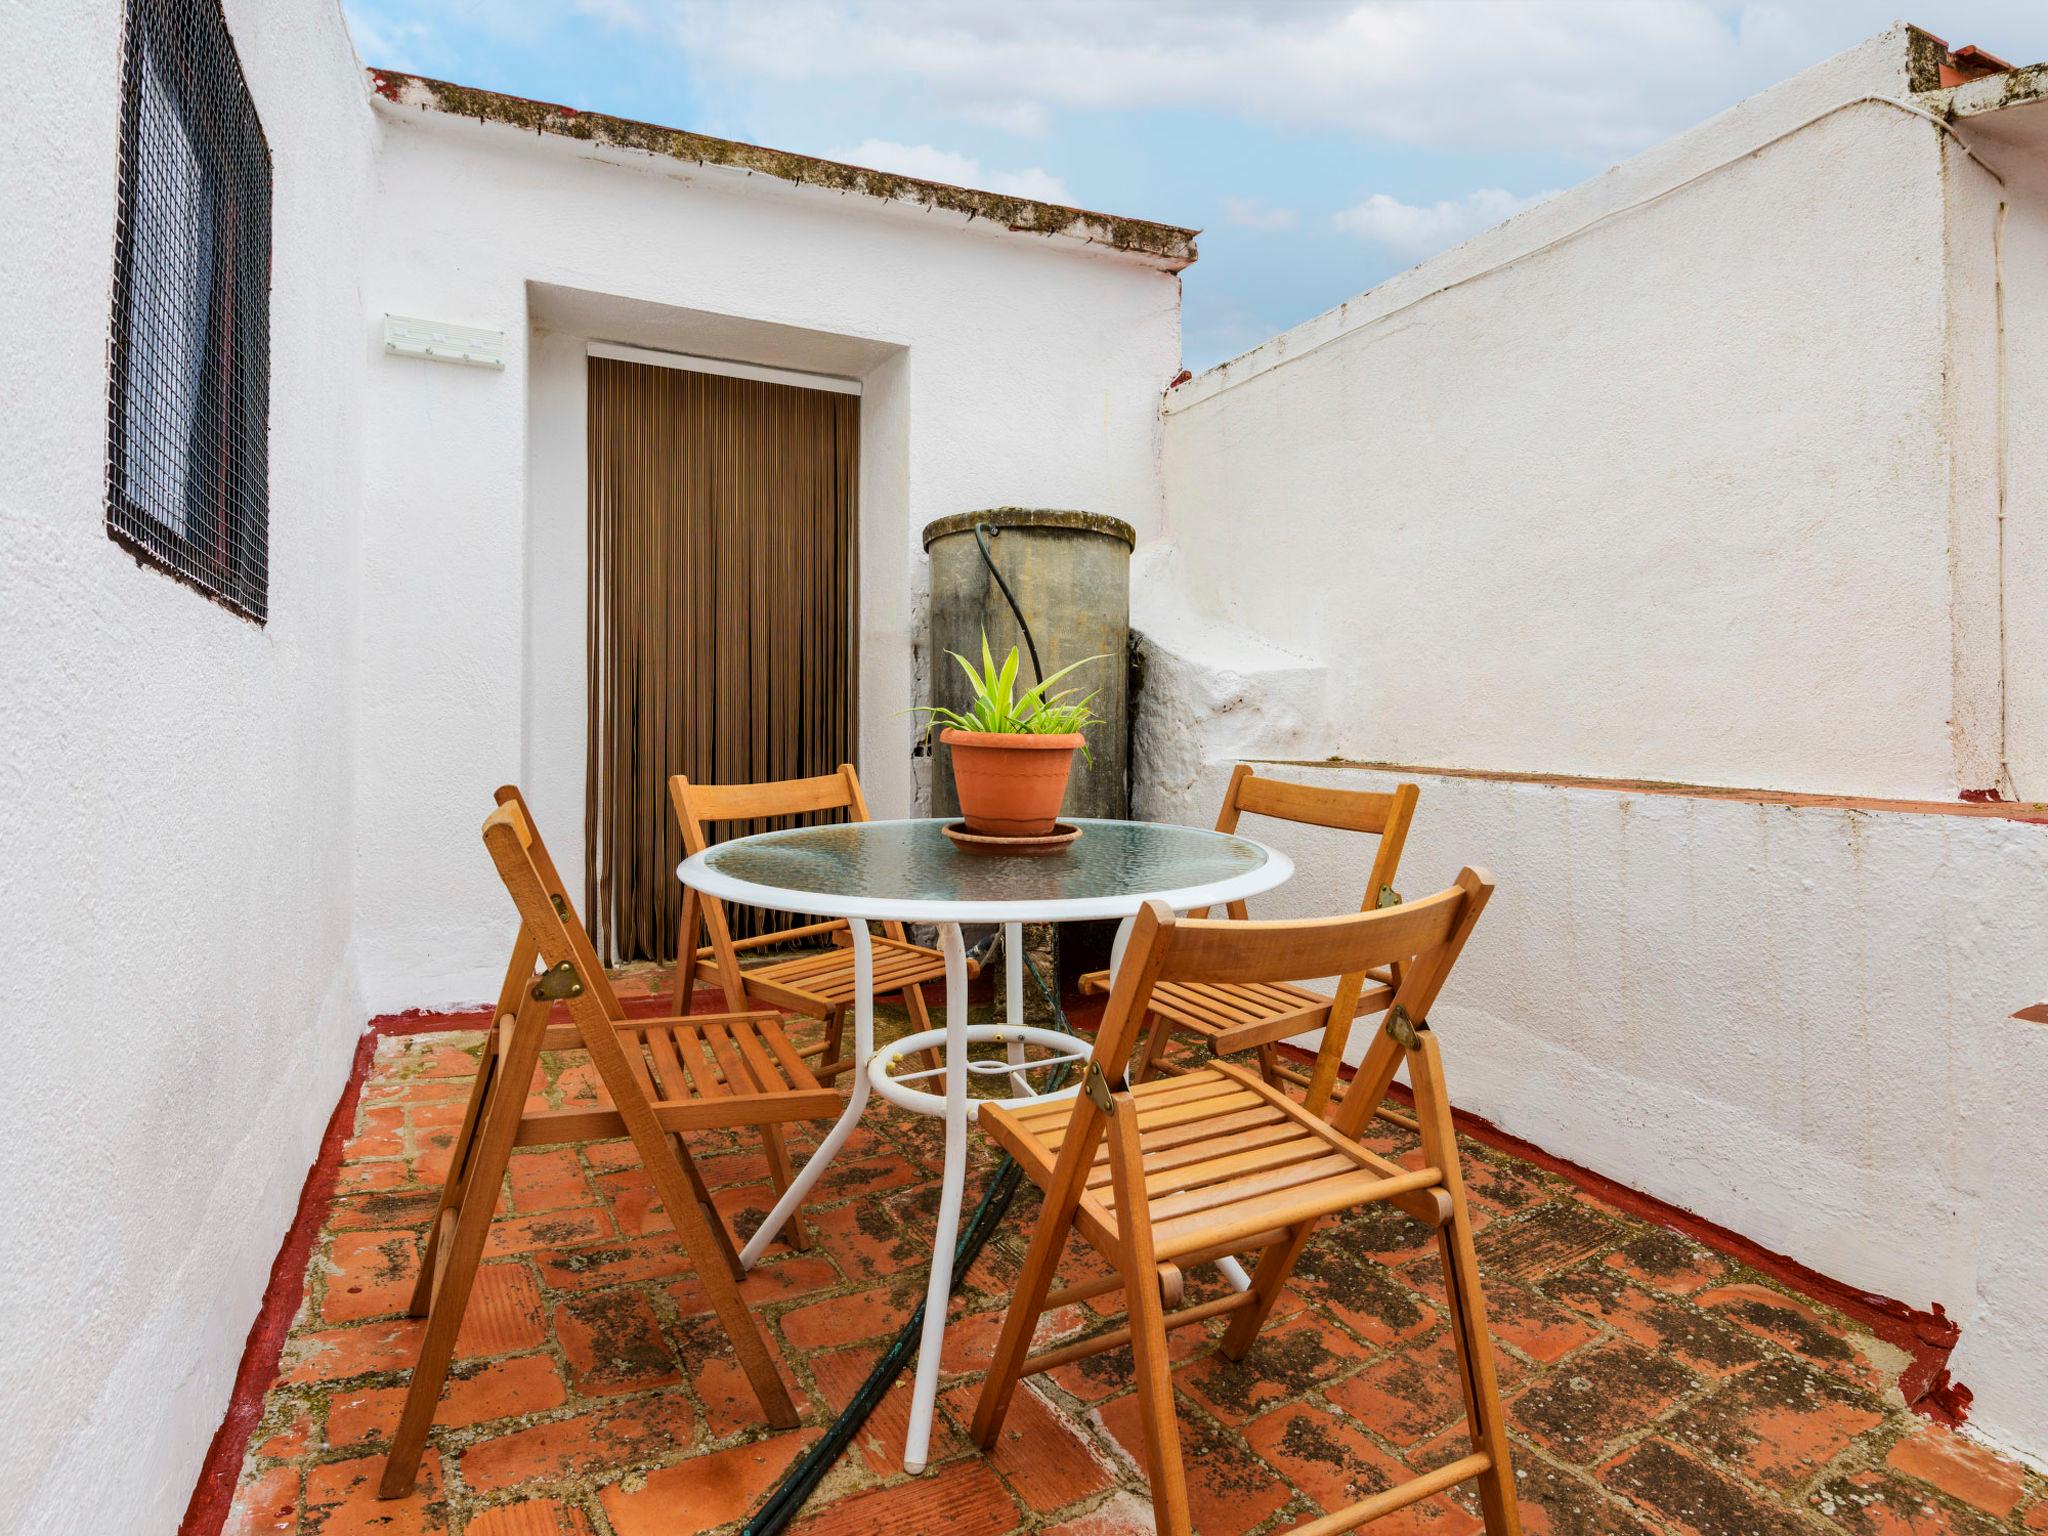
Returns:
(1707, 493)
(998, 370)
(175, 801)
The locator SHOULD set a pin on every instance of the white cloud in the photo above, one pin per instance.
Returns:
(1257, 214)
(1023, 119)
(620, 15)
(1600, 78)
(383, 43)
(1412, 231)
(932, 164)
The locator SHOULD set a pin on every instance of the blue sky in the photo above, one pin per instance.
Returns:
(1321, 147)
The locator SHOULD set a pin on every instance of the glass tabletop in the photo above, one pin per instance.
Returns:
(911, 871)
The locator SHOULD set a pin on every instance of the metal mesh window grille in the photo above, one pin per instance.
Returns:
(188, 418)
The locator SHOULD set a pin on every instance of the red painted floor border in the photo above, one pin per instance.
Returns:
(1928, 1337)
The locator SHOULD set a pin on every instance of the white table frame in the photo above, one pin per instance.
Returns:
(871, 1069)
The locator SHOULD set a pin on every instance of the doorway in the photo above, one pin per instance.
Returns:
(723, 609)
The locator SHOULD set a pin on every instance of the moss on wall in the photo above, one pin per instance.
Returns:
(1173, 246)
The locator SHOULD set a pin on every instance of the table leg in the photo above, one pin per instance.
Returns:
(939, 1291)
(1013, 1001)
(863, 1047)
(1118, 945)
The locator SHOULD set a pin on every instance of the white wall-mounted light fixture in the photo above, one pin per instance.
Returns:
(442, 343)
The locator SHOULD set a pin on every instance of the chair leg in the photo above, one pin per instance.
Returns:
(1269, 1067)
(667, 1165)
(1013, 1344)
(779, 1175)
(686, 953)
(453, 1185)
(719, 1231)
(920, 1020)
(437, 1348)
(832, 1063)
(1276, 1265)
(1474, 1348)
(1146, 1318)
(477, 1200)
(1154, 1051)
(1466, 1303)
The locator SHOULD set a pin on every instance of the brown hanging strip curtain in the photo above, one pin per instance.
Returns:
(722, 616)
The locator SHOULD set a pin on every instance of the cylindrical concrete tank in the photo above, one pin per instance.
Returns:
(1071, 574)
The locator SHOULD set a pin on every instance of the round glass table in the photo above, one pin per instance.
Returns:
(909, 871)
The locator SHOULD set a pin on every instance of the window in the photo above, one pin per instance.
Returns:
(188, 419)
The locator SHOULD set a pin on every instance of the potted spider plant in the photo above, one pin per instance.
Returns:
(1012, 753)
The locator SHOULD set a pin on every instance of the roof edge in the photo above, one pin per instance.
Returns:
(2021, 86)
(1164, 245)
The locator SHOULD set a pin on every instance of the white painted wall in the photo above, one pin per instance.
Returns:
(175, 800)
(2011, 282)
(1665, 501)
(998, 369)
(1741, 487)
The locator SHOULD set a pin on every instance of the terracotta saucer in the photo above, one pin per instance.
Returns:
(1056, 841)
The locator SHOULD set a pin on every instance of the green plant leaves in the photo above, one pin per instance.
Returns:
(993, 706)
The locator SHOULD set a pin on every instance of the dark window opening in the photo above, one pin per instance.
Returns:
(188, 419)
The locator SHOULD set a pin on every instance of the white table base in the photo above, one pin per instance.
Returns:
(871, 1072)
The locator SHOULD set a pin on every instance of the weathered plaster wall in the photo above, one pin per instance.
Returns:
(175, 800)
(1721, 491)
(1999, 238)
(2003, 1353)
(999, 369)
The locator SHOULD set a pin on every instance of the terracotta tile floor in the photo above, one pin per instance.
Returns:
(1654, 1385)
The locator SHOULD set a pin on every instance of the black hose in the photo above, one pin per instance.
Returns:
(802, 1479)
(981, 533)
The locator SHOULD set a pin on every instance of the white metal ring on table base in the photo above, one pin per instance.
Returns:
(1067, 1051)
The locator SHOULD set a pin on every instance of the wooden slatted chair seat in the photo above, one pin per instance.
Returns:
(1229, 1162)
(820, 982)
(707, 1070)
(1230, 1017)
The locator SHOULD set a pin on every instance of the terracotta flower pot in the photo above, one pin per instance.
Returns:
(1010, 786)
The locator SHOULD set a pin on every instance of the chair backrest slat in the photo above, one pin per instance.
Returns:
(1373, 813)
(560, 910)
(1345, 810)
(699, 804)
(1420, 938)
(1205, 949)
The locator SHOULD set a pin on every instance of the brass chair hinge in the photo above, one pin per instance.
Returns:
(1388, 897)
(1095, 1083)
(1404, 1031)
(561, 906)
(557, 983)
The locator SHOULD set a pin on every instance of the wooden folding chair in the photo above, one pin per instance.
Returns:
(818, 983)
(1233, 1017)
(1177, 1171)
(663, 1076)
